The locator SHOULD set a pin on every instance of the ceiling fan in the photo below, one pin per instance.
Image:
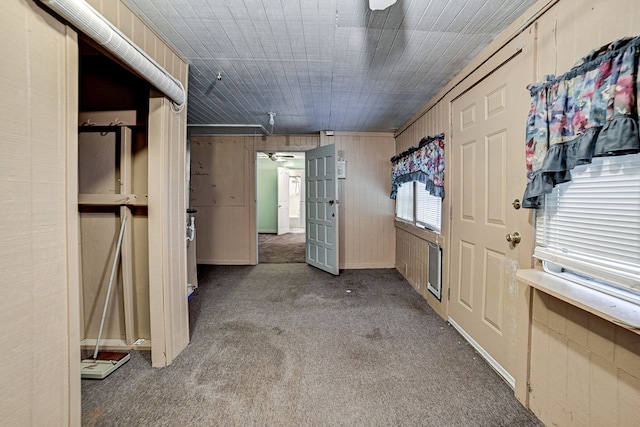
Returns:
(278, 157)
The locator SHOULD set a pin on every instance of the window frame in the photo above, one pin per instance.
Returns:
(414, 221)
(583, 265)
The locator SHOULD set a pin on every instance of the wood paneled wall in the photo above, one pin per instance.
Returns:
(412, 261)
(584, 370)
(412, 243)
(593, 382)
(40, 294)
(142, 35)
(169, 310)
(223, 192)
(167, 274)
(367, 237)
(39, 305)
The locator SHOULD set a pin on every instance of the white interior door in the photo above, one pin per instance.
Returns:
(322, 209)
(488, 160)
(283, 201)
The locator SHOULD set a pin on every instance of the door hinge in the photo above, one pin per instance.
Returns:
(529, 389)
(448, 294)
(451, 212)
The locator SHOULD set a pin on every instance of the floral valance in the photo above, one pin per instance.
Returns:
(590, 111)
(423, 163)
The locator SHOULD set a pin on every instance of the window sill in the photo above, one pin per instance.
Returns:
(422, 233)
(615, 310)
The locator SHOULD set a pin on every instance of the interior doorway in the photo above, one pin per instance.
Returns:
(280, 193)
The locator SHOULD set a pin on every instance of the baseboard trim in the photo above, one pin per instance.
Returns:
(224, 262)
(362, 266)
(486, 356)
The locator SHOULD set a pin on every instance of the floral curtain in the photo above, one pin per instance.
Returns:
(590, 111)
(424, 164)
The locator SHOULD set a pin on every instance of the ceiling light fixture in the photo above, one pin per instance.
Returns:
(381, 4)
(271, 116)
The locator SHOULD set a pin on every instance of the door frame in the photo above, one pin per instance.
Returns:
(255, 208)
(282, 194)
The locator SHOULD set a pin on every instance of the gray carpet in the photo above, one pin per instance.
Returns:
(289, 345)
(286, 248)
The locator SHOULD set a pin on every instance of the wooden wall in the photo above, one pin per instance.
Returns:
(167, 193)
(39, 239)
(168, 303)
(367, 237)
(142, 35)
(588, 364)
(39, 306)
(222, 186)
(412, 243)
(583, 368)
(223, 192)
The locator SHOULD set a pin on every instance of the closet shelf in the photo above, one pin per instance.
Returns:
(112, 200)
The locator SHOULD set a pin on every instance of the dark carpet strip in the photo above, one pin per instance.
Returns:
(283, 249)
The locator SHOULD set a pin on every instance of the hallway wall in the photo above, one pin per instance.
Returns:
(39, 306)
(583, 368)
(39, 297)
(224, 195)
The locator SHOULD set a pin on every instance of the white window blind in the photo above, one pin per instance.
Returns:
(428, 209)
(591, 225)
(404, 202)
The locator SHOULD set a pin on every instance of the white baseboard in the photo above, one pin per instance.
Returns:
(486, 356)
(366, 265)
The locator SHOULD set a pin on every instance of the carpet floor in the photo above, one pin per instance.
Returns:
(283, 249)
(289, 345)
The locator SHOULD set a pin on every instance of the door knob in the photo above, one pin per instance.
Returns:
(331, 202)
(513, 238)
(516, 204)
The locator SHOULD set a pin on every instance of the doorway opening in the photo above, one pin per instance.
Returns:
(280, 192)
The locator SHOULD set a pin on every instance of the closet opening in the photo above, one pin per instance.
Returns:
(112, 183)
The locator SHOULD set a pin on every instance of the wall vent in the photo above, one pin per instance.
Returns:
(434, 274)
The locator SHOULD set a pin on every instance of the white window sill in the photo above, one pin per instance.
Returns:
(616, 310)
(423, 233)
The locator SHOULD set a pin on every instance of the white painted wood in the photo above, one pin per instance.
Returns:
(283, 201)
(487, 160)
(322, 209)
(485, 355)
(615, 310)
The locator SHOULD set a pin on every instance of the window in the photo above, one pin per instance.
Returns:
(404, 202)
(590, 227)
(427, 208)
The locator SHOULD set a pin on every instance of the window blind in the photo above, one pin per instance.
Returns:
(404, 202)
(591, 225)
(428, 209)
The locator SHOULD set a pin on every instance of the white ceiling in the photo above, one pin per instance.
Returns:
(322, 64)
